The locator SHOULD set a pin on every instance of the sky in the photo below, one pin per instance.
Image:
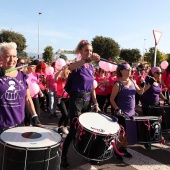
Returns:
(64, 23)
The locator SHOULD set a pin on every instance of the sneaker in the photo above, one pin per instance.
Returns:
(126, 153)
(64, 162)
(58, 129)
(118, 157)
(92, 162)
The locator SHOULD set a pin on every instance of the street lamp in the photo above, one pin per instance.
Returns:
(38, 30)
(144, 49)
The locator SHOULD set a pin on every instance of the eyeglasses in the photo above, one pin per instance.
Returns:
(22, 63)
(158, 73)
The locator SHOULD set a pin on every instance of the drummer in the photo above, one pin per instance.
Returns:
(123, 100)
(82, 77)
(14, 92)
(153, 90)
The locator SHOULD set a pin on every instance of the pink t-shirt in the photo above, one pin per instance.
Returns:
(52, 82)
(101, 88)
(41, 80)
(166, 79)
(111, 81)
(60, 88)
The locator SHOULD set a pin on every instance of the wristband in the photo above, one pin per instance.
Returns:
(87, 60)
(96, 104)
(35, 115)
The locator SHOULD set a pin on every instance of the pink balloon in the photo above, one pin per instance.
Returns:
(102, 64)
(95, 84)
(34, 88)
(108, 66)
(49, 70)
(164, 65)
(114, 67)
(60, 63)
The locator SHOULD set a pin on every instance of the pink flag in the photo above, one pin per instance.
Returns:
(157, 36)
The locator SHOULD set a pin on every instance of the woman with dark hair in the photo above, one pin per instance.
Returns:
(81, 90)
(101, 92)
(153, 90)
(123, 101)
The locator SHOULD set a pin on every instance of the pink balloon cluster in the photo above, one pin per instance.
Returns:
(49, 70)
(34, 88)
(164, 65)
(60, 63)
(107, 66)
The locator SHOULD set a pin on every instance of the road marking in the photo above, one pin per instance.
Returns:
(86, 167)
(163, 147)
(142, 162)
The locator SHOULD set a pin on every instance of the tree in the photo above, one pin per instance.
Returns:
(130, 55)
(106, 47)
(11, 36)
(63, 57)
(159, 56)
(48, 53)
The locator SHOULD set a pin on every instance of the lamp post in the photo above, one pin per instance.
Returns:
(38, 30)
(144, 50)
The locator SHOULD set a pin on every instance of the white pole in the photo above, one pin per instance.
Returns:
(154, 64)
(38, 31)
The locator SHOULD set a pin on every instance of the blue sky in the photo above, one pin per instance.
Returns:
(64, 23)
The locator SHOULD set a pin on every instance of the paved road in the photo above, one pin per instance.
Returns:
(158, 158)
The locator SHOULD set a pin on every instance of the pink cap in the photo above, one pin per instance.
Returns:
(154, 69)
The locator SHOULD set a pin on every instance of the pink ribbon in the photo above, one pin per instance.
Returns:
(75, 121)
(148, 125)
(81, 128)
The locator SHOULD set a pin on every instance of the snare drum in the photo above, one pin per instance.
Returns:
(94, 134)
(144, 129)
(29, 148)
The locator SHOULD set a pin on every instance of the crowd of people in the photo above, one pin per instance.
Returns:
(122, 90)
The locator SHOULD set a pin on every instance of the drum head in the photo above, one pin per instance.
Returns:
(30, 137)
(141, 118)
(98, 123)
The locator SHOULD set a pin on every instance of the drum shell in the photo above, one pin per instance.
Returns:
(93, 146)
(163, 111)
(137, 130)
(30, 148)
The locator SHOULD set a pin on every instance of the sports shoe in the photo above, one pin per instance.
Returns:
(58, 129)
(92, 162)
(126, 153)
(118, 157)
(64, 162)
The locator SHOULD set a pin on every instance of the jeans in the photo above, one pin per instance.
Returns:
(52, 101)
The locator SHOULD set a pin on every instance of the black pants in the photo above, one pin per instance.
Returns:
(63, 106)
(101, 101)
(77, 106)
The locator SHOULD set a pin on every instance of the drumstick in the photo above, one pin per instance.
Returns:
(103, 59)
(34, 62)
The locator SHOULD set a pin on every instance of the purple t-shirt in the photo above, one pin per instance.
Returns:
(82, 79)
(12, 99)
(151, 95)
(125, 99)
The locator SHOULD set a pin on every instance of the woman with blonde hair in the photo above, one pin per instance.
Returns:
(62, 99)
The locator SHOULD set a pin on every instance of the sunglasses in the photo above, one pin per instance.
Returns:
(22, 63)
(158, 73)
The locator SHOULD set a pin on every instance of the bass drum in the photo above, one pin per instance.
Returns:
(29, 148)
(94, 135)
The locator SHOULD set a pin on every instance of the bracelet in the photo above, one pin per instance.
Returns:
(96, 104)
(87, 60)
(35, 115)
